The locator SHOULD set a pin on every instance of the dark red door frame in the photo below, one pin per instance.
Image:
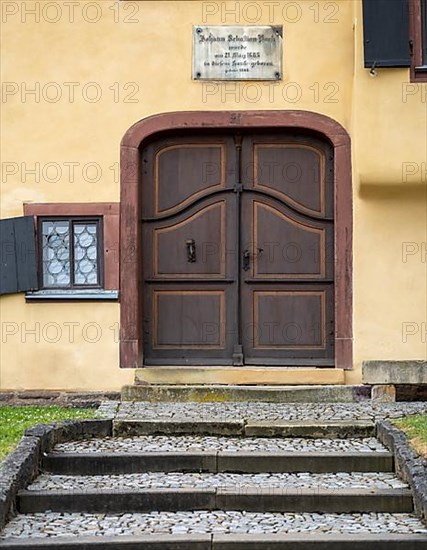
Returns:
(130, 208)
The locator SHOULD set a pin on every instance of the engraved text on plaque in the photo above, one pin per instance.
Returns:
(237, 52)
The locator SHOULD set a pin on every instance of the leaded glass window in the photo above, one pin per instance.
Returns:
(70, 253)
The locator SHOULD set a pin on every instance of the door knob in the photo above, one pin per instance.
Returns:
(191, 250)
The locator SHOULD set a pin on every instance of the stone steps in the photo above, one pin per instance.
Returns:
(223, 490)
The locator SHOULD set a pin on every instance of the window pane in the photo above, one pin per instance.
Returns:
(85, 254)
(56, 253)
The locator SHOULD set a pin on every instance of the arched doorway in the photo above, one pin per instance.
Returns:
(259, 268)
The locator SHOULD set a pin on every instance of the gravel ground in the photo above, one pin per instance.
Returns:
(175, 480)
(69, 525)
(161, 443)
(228, 412)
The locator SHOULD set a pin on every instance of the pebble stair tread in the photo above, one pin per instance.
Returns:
(159, 443)
(224, 480)
(366, 411)
(51, 529)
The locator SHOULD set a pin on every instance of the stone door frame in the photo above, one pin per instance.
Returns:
(131, 257)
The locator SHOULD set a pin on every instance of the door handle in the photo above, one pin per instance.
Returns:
(191, 250)
(246, 260)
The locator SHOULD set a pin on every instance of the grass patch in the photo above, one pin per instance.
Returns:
(15, 420)
(415, 428)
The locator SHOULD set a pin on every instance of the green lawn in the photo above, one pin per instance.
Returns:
(15, 420)
(416, 429)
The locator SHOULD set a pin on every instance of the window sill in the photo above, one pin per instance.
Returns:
(66, 295)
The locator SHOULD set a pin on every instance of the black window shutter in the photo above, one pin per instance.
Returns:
(386, 33)
(18, 262)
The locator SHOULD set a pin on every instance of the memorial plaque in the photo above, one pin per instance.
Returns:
(237, 52)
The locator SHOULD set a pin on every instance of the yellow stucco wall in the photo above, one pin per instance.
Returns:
(137, 59)
(60, 346)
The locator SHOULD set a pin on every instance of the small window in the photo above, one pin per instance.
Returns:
(77, 251)
(418, 39)
(70, 253)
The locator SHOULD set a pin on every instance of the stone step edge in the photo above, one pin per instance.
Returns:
(247, 498)
(304, 541)
(166, 393)
(324, 429)
(107, 463)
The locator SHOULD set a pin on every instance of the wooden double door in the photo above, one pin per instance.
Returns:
(238, 252)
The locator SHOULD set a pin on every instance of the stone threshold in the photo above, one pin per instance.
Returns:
(239, 375)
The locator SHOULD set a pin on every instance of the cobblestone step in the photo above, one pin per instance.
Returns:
(221, 461)
(231, 529)
(245, 412)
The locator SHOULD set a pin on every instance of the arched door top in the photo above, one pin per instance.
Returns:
(307, 120)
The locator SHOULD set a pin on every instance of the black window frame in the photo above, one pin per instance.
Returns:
(72, 220)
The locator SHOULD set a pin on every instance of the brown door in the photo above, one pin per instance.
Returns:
(238, 251)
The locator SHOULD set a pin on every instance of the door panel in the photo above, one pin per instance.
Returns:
(288, 323)
(184, 172)
(202, 235)
(189, 323)
(289, 172)
(286, 245)
(303, 311)
(200, 314)
(285, 321)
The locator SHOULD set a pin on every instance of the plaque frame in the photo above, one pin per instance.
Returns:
(237, 52)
